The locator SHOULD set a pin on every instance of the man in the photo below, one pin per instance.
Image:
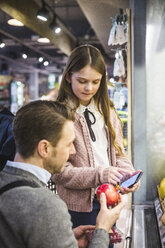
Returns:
(30, 215)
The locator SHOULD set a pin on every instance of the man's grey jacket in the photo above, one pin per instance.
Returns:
(35, 217)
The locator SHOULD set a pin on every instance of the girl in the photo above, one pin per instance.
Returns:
(99, 154)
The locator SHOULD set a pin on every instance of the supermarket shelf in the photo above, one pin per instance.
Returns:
(145, 231)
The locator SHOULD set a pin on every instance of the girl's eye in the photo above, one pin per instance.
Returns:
(82, 81)
(96, 82)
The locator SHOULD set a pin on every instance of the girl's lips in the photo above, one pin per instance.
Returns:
(87, 94)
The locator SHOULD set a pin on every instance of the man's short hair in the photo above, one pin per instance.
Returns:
(36, 121)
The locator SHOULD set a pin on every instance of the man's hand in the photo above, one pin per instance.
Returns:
(80, 235)
(107, 217)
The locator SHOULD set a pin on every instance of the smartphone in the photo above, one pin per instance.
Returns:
(132, 180)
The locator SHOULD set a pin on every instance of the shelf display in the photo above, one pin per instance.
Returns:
(17, 95)
(161, 189)
(5, 90)
(124, 118)
(161, 193)
(119, 31)
(119, 67)
(160, 211)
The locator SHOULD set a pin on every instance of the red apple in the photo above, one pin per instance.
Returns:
(110, 192)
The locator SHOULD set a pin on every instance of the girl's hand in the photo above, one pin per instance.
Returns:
(116, 174)
(134, 188)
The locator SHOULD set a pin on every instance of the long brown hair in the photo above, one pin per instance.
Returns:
(79, 58)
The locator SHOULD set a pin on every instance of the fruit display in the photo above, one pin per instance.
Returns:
(163, 219)
(161, 193)
(110, 192)
(162, 189)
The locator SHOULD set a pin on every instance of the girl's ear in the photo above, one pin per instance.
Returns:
(67, 77)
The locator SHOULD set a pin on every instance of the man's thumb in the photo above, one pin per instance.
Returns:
(103, 201)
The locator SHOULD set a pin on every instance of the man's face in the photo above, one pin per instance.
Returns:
(60, 154)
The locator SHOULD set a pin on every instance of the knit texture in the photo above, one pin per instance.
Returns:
(32, 217)
(35, 217)
(77, 183)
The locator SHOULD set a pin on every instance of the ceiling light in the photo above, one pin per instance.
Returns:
(43, 40)
(54, 26)
(40, 59)
(15, 22)
(24, 55)
(46, 63)
(43, 13)
(57, 30)
(2, 44)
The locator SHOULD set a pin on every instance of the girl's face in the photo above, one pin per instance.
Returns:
(85, 84)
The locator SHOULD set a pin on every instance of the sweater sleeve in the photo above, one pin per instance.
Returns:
(124, 162)
(100, 238)
(82, 177)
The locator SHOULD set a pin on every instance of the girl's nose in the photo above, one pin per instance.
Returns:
(88, 86)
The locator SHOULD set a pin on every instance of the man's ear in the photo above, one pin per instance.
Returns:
(43, 148)
(67, 77)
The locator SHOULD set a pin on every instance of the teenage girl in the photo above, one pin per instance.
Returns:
(99, 154)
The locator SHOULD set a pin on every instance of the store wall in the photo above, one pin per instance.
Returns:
(148, 94)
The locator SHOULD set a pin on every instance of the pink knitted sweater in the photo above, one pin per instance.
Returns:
(77, 183)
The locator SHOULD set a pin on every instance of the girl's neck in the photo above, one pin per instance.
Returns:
(83, 104)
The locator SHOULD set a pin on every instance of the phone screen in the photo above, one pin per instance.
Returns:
(132, 180)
